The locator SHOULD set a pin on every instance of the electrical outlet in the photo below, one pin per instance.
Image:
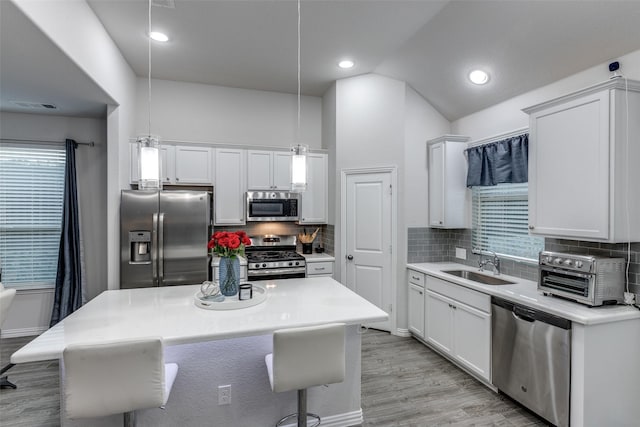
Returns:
(461, 253)
(224, 394)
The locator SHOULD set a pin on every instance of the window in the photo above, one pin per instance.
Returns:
(31, 196)
(500, 221)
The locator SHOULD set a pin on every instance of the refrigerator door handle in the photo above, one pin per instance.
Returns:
(154, 249)
(161, 250)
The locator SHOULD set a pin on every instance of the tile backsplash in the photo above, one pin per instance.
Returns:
(324, 237)
(438, 245)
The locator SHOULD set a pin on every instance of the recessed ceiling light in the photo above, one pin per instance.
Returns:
(346, 63)
(159, 37)
(478, 77)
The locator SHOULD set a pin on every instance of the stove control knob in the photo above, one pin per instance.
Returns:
(579, 264)
(558, 261)
(297, 263)
(568, 262)
(264, 265)
(290, 263)
(257, 265)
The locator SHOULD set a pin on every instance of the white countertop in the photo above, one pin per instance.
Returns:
(169, 312)
(526, 293)
(316, 257)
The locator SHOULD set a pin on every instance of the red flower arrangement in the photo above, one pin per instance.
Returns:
(228, 243)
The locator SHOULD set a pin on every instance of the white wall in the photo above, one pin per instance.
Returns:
(31, 310)
(382, 122)
(507, 116)
(206, 113)
(422, 123)
(329, 143)
(77, 31)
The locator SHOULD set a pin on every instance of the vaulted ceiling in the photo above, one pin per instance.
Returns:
(432, 45)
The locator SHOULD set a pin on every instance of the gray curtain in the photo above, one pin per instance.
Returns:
(68, 291)
(499, 162)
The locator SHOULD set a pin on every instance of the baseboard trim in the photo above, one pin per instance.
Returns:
(340, 420)
(22, 332)
(402, 332)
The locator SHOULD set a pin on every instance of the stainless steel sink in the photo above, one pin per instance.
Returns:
(477, 277)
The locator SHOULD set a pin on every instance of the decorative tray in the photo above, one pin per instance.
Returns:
(231, 303)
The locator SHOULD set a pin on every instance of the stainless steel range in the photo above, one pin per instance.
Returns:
(274, 257)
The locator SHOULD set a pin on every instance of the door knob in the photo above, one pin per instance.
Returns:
(349, 257)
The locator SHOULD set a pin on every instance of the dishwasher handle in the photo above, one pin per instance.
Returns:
(530, 314)
(523, 314)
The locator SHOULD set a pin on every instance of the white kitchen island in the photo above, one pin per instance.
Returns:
(215, 348)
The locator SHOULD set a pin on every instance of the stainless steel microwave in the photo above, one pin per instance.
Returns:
(272, 206)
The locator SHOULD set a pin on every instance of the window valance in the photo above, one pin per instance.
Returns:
(504, 161)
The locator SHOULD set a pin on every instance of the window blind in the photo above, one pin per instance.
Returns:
(31, 195)
(500, 220)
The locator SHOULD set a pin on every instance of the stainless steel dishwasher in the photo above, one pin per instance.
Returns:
(531, 358)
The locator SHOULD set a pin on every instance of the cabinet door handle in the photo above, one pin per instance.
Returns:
(420, 292)
(177, 179)
(319, 268)
(415, 278)
(440, 222)
(531, 227)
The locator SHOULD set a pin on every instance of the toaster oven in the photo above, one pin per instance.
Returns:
(587, 279)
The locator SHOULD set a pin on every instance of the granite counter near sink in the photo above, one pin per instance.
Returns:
(525, 292)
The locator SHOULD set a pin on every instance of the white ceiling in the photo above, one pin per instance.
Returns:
(432, 45)
(33, 69)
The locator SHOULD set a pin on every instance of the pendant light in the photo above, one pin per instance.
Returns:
(149, 145)
(299, 151)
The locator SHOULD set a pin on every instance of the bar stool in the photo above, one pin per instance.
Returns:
(306, 357)
(116, 377)
(6, 298)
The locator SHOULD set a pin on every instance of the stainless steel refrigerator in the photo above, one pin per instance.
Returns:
(163, 238)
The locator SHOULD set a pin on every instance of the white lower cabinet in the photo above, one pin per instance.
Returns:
(319, 268)
(416, 303)
(416, 310)
(458, 324)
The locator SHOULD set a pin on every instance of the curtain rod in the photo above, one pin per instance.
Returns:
(496, 138)
(90, 143)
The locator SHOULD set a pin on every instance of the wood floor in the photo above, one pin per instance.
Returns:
(403, 384)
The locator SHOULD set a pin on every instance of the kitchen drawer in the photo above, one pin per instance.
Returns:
(460, 293)
(318, 268)
(416, 278)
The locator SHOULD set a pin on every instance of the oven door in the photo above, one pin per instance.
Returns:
(277, 273)
(569, 284)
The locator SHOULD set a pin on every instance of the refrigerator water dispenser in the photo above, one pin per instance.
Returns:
(140, 247)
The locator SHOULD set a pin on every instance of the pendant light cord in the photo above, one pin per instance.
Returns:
(298, 126)
(149, 69)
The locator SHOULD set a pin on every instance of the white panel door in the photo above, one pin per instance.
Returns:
(368, 239)
(230, 187)
(416, 310)
(259, 170)
(436, 185)
(281, 173)
(314, 209)
(194, 165)
(472, 339)
(439, 321)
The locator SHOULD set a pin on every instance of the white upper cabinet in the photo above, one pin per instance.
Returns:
(447, 181)
(230, 186)
(582, 171)
(269, 170)
(314, 200)
(179, 164)
(193, 165)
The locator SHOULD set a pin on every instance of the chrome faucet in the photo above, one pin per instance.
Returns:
(495, 262)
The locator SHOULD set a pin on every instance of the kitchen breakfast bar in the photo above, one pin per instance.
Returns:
(219, 347)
